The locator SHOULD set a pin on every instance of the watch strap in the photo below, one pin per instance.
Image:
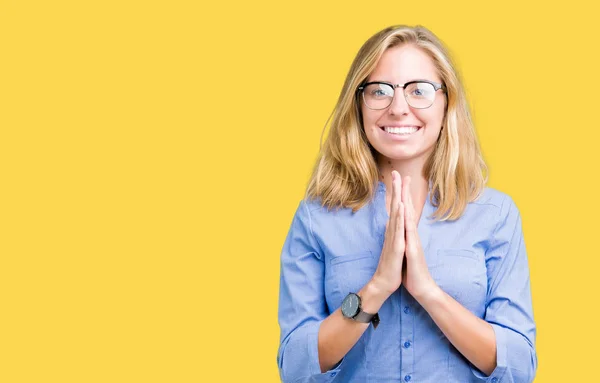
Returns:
(364, 317)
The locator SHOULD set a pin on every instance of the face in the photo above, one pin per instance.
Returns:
(399, 65)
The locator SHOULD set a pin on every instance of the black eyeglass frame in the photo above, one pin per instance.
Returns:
(436, 86)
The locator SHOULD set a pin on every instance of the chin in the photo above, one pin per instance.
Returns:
(401, 153)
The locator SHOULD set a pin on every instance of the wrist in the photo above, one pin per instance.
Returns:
(372, 297)
(430, 296)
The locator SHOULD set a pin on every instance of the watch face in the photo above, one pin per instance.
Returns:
(350, 305)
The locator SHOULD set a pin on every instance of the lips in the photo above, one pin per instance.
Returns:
(400, 137)
(418, 128)
(400, 126)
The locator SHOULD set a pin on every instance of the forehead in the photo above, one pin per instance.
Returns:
(404, 63)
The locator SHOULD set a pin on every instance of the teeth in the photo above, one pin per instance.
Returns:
(401, 130)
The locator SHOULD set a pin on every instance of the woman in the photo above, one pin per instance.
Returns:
(400, 264)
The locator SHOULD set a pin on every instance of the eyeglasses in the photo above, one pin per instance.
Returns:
(419, 94)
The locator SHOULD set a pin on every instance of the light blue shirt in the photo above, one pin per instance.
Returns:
(480, 260)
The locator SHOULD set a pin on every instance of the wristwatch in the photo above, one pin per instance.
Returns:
(351, 308)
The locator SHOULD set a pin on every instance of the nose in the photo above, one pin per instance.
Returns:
(399, 104)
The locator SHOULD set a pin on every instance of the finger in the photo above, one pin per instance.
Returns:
(401, 209)
(412, 237)
(399, 232)
(396, 183)
(415, 240)
(409, 216)
(389, 224)
(392, 217)
(399, 241)
(406, 198)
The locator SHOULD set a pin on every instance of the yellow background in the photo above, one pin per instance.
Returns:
(153, 153)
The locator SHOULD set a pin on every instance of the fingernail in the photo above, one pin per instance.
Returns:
(394, 175)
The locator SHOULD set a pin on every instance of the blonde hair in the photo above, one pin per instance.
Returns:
(345, 174)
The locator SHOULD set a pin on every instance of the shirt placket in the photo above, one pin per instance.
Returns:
(407, 322)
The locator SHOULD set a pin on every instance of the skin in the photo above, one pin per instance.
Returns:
(399, 65)
(402, 260)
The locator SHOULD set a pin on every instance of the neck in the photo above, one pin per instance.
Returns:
(419, 185)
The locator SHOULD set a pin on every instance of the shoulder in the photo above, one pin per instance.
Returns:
(317, 210)
(490, 208)
(331, 221)
(502, 201)
(503, 207)
(492, 196)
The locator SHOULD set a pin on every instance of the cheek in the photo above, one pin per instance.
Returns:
(366, 116)
(369, 120)
(370, 132)
(440, 111)
(433, 118)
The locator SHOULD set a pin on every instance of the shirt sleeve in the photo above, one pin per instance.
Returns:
(302, 307)
(509, 307)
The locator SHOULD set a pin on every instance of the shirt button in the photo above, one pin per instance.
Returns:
(333, 374)
(407, 345)
(407, 378)
(406, 309)
(494, 380)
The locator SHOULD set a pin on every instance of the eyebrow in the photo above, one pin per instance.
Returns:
(390, 82)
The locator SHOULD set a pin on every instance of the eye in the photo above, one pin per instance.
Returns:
(421, 90)
(378, 91)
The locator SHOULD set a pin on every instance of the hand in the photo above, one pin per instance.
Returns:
(417, 279)
(388, 276)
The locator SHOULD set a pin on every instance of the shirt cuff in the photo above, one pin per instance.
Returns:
(501, 358)
(313, 350)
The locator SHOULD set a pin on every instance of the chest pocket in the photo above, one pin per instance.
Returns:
(462, 274)
(350, 272)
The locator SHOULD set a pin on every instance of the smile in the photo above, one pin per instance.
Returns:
(400, 133)
(404, 130)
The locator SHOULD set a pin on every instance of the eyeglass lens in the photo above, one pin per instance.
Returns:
(418, 95)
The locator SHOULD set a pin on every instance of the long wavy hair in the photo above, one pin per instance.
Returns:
(346, 175)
